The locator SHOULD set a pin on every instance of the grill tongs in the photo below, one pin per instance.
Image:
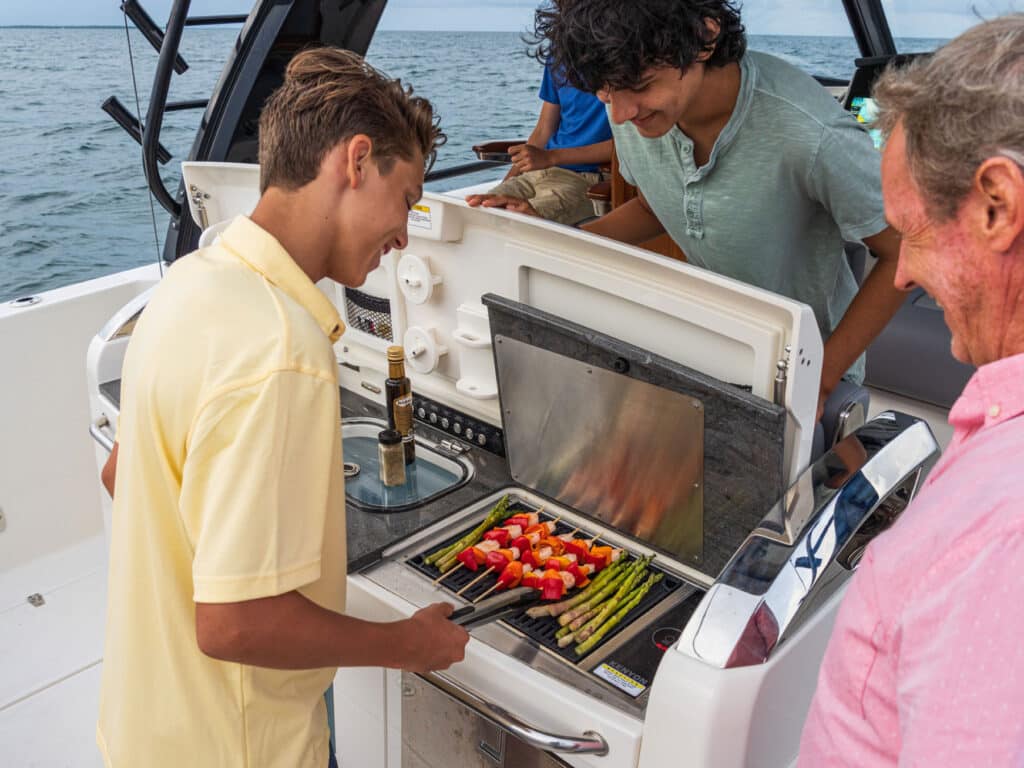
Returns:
(495, 608)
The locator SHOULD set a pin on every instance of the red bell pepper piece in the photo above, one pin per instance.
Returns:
(577, 547)
(521, 520)
(599, 557)
(511, 576)
(521, 543)
(499, 559)
(499, 535)
(580, 573)
(551, 585)
(469, 558)
(531, 579)
(528, 557)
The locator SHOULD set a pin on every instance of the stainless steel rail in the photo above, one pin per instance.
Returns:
(590, 743)
(807, 546)
(101, 437)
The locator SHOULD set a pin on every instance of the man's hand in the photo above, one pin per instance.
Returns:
(109, 472)
(823, 394)
(527, 158)
(516, 204)
(434, 642)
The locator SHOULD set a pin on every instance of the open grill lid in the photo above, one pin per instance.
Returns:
(668, 456)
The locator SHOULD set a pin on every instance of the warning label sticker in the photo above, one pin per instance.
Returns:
(622, 679)
(420, 217)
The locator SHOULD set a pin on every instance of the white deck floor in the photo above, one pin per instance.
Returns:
(50, 658)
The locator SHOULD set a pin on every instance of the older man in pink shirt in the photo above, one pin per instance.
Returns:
(926, 663)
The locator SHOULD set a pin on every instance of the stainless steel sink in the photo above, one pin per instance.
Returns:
(436, 471)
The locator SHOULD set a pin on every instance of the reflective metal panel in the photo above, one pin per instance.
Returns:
(621, 450)
(806, 547)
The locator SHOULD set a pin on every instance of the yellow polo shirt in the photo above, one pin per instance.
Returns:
(229, 488)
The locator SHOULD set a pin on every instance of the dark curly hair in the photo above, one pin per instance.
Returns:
(595, 44)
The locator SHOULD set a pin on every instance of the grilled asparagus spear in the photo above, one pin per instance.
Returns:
(632, 601)
(610, 587)
(609, 606)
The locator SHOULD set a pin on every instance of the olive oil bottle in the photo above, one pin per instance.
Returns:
(398, 394)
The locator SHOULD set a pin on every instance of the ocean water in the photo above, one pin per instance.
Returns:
(73, 201)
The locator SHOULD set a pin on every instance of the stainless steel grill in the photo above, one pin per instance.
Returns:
(541, 630)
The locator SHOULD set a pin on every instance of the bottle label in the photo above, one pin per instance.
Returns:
(403, 416)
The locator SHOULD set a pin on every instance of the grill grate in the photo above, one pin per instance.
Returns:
(541, 630)
(368, 314)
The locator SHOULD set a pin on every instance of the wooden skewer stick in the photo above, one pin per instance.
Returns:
(485, 594)
(446, 574)
(474, 581)
(591, 542)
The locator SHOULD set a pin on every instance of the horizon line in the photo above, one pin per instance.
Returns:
(505, 31)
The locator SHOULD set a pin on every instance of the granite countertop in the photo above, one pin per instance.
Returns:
(370, 533)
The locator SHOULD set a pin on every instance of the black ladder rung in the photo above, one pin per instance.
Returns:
(202, 21)
(177, 106)
(145, 24)
(132, 126)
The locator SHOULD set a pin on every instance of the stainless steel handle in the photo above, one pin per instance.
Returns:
(101, 437)
(807, 546)
(590, 743)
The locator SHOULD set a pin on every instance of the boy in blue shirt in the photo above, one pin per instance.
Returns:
(553, 170)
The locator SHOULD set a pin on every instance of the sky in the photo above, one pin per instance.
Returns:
(908, 18)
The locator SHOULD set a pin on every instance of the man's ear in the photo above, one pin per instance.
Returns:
(358, 154)
(713, 29)
(998, 197)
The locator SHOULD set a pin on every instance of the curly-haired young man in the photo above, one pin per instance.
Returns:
(754, 170)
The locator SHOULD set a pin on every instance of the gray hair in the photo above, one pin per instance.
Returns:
(958, 107)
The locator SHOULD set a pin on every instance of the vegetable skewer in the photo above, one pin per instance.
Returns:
(496, 514)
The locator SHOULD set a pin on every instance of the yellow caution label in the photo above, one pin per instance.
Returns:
(620, 679)
(420, 216)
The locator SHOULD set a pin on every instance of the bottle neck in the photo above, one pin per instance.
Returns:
(396, 370)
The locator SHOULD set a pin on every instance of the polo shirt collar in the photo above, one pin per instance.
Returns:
(745, 97)
(994, 394)
(748, 78)
(261, 252)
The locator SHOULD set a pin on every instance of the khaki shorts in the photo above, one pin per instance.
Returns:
(557, 194)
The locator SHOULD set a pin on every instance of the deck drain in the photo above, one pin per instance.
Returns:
(36, 600)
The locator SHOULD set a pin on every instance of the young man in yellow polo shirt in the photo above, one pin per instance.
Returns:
(227, 573)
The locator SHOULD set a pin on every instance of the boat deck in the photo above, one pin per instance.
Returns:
(50, 657)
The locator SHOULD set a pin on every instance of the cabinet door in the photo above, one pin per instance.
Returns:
(438, 732)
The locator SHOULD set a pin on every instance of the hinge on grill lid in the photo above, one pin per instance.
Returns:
(198, 198)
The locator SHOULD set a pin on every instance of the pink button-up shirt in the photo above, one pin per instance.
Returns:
(926, 662)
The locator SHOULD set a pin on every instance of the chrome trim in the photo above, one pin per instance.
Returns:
(807, 546)
(96, 430)
(590, 743)
(850, 419)
(123, 322)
